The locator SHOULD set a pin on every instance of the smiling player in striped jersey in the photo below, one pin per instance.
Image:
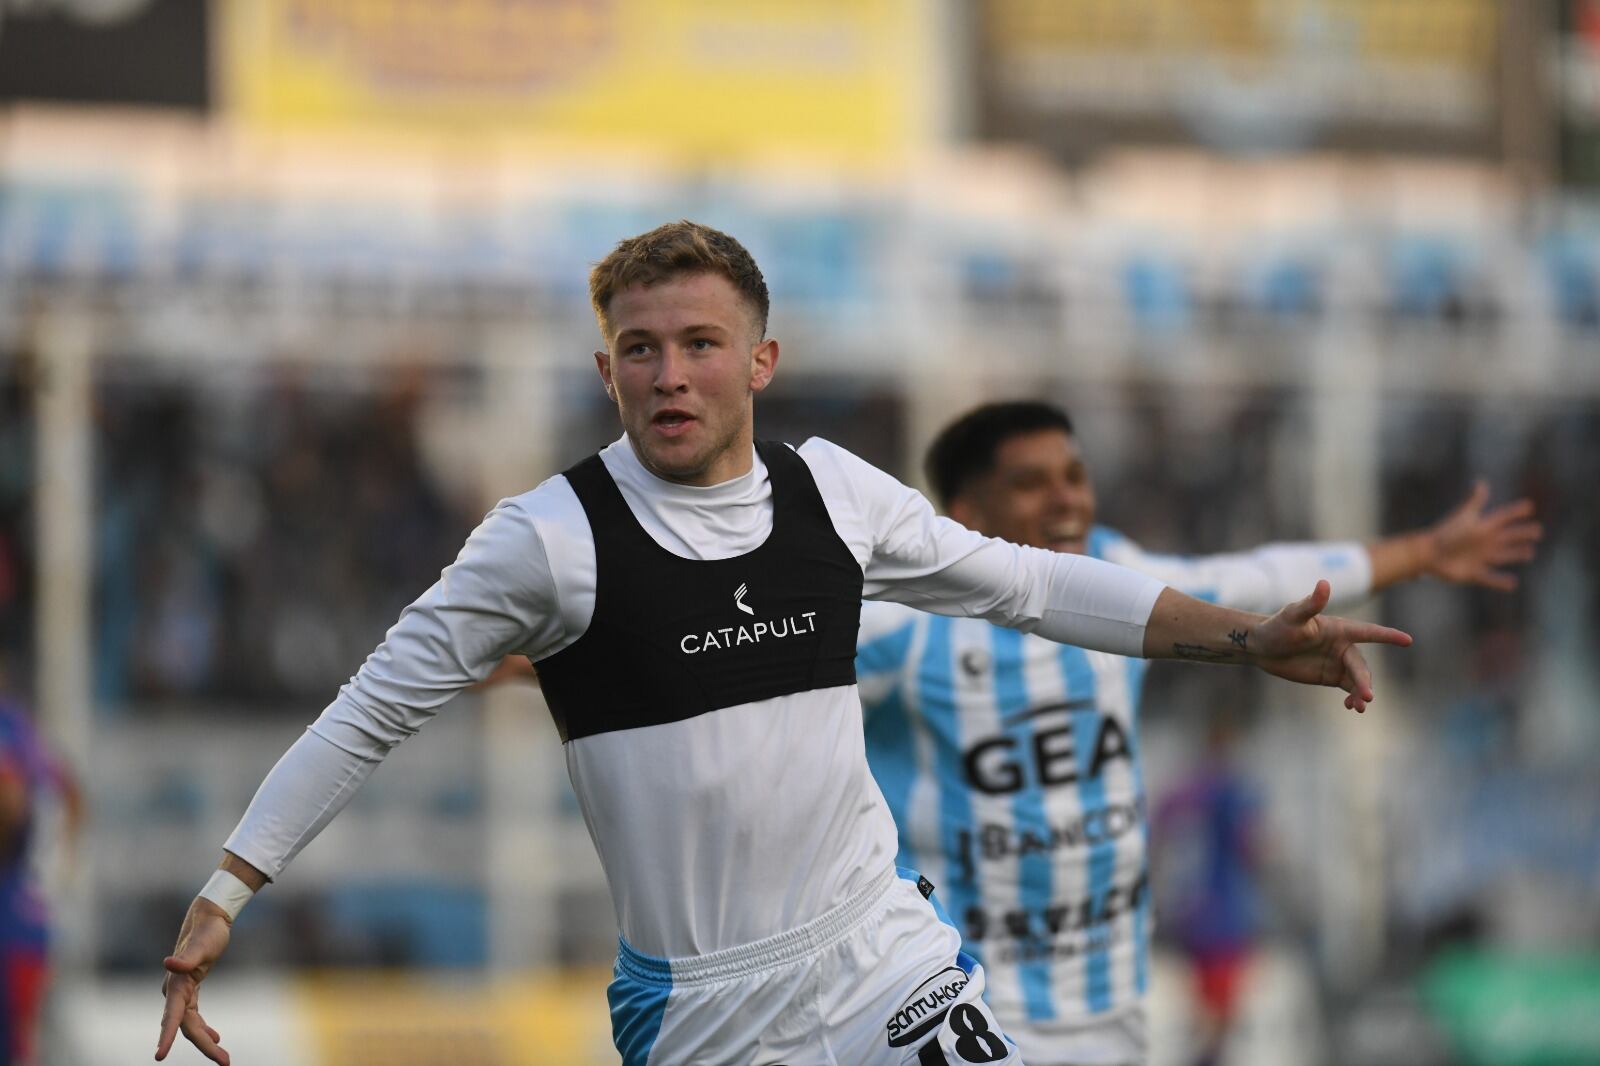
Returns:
(1011, 763)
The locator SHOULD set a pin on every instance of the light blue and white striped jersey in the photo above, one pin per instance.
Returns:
(1011, 766)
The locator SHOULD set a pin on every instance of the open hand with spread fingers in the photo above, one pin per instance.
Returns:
(1471, 543)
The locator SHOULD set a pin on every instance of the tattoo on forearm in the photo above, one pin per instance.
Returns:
(1238, 636)
(1201, 654)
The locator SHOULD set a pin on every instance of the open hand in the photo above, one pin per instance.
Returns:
(1302, 644)
(201, 941)
(1470, 542)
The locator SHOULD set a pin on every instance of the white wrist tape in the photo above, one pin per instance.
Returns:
(227, 892)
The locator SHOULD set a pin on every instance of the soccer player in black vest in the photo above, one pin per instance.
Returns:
(691, 597)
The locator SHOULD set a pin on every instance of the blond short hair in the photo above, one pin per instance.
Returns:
(674, 250)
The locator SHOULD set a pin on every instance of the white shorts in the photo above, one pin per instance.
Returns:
(878, 981)
(1121, 1039)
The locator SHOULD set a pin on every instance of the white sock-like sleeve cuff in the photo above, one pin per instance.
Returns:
(228, 892)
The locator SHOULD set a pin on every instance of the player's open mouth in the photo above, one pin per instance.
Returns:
(1068, 535)
(671, 423)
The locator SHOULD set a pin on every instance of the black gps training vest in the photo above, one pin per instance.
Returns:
(672, 638)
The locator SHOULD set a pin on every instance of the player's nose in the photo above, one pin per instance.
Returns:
(671, 369)
(1066, 497)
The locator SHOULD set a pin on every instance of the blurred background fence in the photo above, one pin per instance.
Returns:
(292, 292)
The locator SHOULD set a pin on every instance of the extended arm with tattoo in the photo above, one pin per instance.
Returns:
(1298, 643)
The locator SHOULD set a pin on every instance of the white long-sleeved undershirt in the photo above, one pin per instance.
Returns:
(734, 825)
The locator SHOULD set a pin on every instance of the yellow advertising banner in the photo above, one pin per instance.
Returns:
(1456, 33)
(716, 77)
(1241, 74)
(411, 1018)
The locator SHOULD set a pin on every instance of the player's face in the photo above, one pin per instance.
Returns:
(1038, 493)
(686, 360)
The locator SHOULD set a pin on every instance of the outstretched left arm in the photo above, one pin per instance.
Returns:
(1298, 643)
(1468, 546)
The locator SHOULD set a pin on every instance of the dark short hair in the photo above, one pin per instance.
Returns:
(965, 450)
(674, 250)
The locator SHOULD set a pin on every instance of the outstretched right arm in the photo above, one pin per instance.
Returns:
(498, 597)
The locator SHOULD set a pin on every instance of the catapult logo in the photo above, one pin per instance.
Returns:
(752, 633)
(926, 1007)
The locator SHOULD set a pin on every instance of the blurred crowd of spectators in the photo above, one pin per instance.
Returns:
(253, 544)
(1494, 813)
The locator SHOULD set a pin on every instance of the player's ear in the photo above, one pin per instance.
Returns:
(602, 362)
(764, 360)
(962, 510)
